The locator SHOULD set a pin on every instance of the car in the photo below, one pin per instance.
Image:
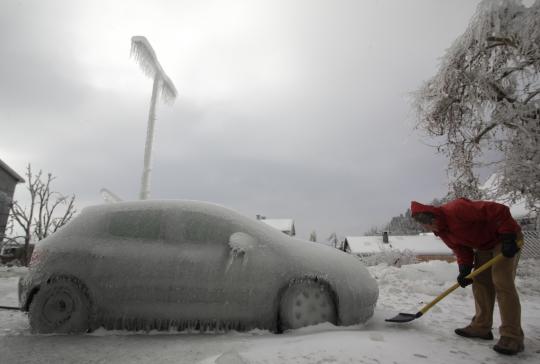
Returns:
(12, 252)
(187, 265)
(9, 253)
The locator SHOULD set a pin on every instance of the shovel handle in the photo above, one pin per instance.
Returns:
(476, 272)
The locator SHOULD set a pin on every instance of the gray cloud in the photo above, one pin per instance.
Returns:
(288, 109)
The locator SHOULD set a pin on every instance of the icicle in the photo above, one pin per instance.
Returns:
(144, 54)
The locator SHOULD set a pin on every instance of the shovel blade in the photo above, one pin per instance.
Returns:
(404, 317)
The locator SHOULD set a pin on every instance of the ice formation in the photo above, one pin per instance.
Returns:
(240, 243)
(184, 265)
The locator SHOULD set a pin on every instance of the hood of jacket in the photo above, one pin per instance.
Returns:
(417, 207)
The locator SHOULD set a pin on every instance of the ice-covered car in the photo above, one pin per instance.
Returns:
(159, 265)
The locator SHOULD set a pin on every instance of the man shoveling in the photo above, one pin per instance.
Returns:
(476, 231)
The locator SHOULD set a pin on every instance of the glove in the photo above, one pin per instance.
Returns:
(509, 247)
(464, 271)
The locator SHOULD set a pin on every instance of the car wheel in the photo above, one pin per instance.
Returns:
(60, 306)
(306, 303)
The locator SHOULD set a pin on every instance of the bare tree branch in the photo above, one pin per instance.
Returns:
(39, 219)
(531, 96)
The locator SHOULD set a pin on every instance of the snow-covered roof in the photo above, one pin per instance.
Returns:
(365, 244)
(423, 244)
(285, 225)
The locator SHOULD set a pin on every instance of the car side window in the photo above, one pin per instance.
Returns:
(143, 224)
(197, 227)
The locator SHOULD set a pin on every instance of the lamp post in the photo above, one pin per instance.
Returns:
(145, 56)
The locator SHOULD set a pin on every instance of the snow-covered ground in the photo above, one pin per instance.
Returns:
(429, 339)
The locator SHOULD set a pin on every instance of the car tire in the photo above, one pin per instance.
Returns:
(60, 306)
(306, 303)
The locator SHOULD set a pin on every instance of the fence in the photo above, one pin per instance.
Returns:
(531, 248)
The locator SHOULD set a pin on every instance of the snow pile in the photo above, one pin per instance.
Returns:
(230, 357)
(12, 271)
(392, 257)
(9, 278)
(409, 288)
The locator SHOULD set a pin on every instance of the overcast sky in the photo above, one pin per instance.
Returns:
(290, 109)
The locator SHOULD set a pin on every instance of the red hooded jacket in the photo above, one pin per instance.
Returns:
(465, 225)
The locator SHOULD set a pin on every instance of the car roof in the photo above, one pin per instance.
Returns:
(159, 205)
(177, 205)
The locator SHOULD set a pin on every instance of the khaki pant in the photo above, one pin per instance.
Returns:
(497, 282)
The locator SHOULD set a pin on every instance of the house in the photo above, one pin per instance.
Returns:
(424, 246)
(8, 180)
(12, 251)
(286, 226)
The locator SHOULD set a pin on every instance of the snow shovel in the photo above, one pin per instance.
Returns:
(406, 317)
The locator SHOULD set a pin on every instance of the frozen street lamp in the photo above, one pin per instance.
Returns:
(145, 56)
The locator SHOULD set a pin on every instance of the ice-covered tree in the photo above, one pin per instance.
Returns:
(403, 225)
(482, 106)
(313, 236)
(46, 211)
(333, 240)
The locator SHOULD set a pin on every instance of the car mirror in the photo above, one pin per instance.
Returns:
(240, 243)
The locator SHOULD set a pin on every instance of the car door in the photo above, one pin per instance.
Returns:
(205, 286)
(130, 264)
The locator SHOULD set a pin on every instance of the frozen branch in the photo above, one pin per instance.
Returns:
(39, 219)
(481, 99)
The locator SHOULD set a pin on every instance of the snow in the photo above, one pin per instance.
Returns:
(283, 225)
(429, 339)
(423, 244)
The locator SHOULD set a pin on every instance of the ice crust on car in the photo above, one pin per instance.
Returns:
(193, 266)
(240, 244)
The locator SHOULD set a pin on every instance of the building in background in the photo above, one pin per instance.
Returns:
(423, 247)
(8, 180)
(286, 226)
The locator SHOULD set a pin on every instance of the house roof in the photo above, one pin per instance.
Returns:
(280, 224)
(423, 244)
(11, 172)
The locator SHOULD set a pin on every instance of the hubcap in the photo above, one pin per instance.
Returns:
(58, 308)
(311, 306)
